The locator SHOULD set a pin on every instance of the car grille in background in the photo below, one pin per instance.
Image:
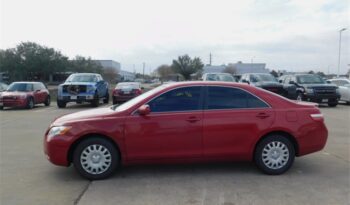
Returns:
(74, 89)
(324, 91)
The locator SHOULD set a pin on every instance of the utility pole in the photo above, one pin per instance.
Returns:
(210, 59)
(143, 70)
(341, 30)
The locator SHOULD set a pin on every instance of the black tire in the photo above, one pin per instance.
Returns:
(84, 169)
(47, 101)
(30, 103)
(266, 163)
(96, 101)
(106, 99)
(114, 101)
(1, 108)
(61, 104)
(333, 103)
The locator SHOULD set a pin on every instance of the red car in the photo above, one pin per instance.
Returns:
(25, 95)
(126, 91)
(188, 122)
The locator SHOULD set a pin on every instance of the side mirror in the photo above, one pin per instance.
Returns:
(292, 82)
(328, 82)
(280, 81)
(144, 110)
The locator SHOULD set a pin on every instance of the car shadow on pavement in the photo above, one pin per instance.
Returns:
(36, 107)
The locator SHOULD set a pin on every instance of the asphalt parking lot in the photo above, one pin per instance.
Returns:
(28, 178)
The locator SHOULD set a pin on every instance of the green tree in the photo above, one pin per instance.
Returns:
(186, 66)
(274, 73)
(164, 71)
(31, 61)
(230, 69)
(81, 64)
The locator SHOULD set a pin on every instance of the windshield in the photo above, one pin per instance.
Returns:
(137, 99)
(266, 78)
(310, 79)
(220, 77)
(22, 87)
(82, 78)
(128, 85)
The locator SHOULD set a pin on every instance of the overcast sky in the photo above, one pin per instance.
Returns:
(292, 35)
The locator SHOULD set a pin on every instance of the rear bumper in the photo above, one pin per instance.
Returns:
(122, 98)
(314, 138)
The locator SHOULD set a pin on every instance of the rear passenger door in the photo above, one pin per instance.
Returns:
(233, 120)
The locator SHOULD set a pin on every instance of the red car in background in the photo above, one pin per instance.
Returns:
(126, 91)
(25, 95)
(188, 122)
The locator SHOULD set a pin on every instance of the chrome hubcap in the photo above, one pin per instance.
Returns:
(275, 155)
(95, 159)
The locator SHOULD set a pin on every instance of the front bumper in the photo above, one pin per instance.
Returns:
(321, 98)
(13, 103)
(81, 97)
(57, 148)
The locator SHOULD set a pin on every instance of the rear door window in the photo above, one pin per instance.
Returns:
(231, 98)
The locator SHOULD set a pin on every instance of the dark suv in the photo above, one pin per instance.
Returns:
(311, 87)
(270, 83)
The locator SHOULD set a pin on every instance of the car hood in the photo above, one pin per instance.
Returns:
(93, 114)
(318, 85)
(78, 83)
(268, 84)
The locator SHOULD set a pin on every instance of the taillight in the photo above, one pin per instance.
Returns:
(137, 91)
(317, 117)
(115, 91)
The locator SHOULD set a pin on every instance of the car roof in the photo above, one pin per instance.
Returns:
(207, 83)
(27, 82)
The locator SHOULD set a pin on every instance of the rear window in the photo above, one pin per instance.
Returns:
(128, 85)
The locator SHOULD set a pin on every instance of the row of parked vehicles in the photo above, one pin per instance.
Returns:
(78, 88)
(302, 87)
(91, 88)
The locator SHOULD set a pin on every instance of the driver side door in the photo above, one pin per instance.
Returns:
(172, 130)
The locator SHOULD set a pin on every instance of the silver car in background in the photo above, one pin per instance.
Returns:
(344, 88)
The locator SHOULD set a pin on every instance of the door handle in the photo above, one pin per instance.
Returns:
(262, 115)
(192, 119)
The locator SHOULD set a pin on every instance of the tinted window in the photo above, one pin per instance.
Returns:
(180, 99)
(20, 87)
(232, 98)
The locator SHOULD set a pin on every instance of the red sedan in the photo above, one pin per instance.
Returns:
(126, 91)
(25, 95)
(188, 122)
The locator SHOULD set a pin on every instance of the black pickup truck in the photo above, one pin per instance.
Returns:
(311, 87)
(270, 83)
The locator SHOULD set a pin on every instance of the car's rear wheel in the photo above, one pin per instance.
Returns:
(47, 101)
(274, 155)
(106, 99)
(95, 158)
(30, 103)
(61, 104)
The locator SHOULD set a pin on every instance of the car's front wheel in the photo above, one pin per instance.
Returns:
(333, 103)
(95, 158)
(274, 155)
(47, 101)
(30, 103)
(61, 104)
(106, 99)
(96, 101)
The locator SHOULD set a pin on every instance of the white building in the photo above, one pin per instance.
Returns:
(122, 74)
(240, 67)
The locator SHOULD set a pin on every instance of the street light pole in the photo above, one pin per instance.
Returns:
(341, 30)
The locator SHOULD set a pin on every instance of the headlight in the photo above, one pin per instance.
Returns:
(55, 131)
(90, 89)
(309, 90)
(23, 96)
